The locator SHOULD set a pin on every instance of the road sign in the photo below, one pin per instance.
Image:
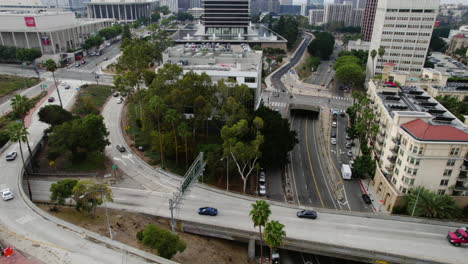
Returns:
(77, 88)
(114, 166)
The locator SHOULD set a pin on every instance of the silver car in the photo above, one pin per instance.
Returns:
(11, 156)
(6, 194)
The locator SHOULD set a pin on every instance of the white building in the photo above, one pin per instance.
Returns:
(172, 4)
(52, 33)
(121, 10)
(316, 16)
(196, 12)
(420, 143)
(358, 45)
(343, 13)
(404, 29)
(220, 61)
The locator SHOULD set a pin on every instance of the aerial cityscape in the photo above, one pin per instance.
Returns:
(233, 131)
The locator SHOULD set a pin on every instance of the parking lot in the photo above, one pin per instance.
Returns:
(446, 64)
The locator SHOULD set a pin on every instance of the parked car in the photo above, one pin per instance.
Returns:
(116, 94)
(208, 211)
(120, 148)
(351, 164)
(348, 137)
(349, 153)
(348, 145)
(77, 65)
(262, 177)
(262, 190)
(83, 62)
(120, 100)
(366, 198)
(334, 124)
(11, 156)
(333, 134)
(333, 141)
(348, 129)
(6, 194)
(458, 237)
(307, 214)
(342, 114)
(51, 99)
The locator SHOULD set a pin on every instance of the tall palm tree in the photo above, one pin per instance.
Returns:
(172, 117)
(21, 105)
(52, 67)
(185, 132)
(426, 203)
(381, 52)
(373, 53)
(18, 133)
(274, 235)
(259, 214)
(158, 107)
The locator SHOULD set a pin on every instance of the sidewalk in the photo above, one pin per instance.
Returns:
(377, 205)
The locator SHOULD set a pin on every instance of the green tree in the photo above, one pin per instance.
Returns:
(88, 195)
(279, 138)
(18, 133)
(381, 53)
(322, 45)
(126, 33)
(51, 66)
(244, 152)
(54, 115)
(172, 117)
(28, 55)
(61, 190)
(364, 166)
(437, 44)
(457, 108)
(344, 60)
(259, 214)
(91, 42)
(184, 132)
(351, 74)
(184, 16)
(430, 204)
(155, 17)
(158, 109)
(166, 243)
(373, 54)
(21, 105)
(274, 234)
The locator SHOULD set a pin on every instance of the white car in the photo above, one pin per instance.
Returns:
(11, 156)
(333, 141)
(6, 194)
(262, 190)
(334, 124)
(262, 177)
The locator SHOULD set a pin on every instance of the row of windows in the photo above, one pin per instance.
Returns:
(410, 18)
(411, 10)
(421, 41)
(399, 33)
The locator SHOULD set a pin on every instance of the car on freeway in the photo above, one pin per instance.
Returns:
(51, 99)
(333, 141)
(366, 198)
(120, 148)
(349, 153)
(334, 124)
(208, 211)
(307, 214)
(262, 177)
(262, 190)
(6, 194)
(11, 156)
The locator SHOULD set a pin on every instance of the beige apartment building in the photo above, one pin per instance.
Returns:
(420, 143)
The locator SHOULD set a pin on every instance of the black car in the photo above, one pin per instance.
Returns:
(333, 134)
(120, 148)
(348, 129)
(366, 198)
(51, 99)
(307, 214)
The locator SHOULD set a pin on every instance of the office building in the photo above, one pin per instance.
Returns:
(123, 11)
(236, 63)
(41, 30)
(368, 19)
(183, 5)
(316, 17)
(260, 6)
(226, 17)
(173, 5)
(358, 45)
(196, 12)
(195, 4)
(344, 13)
(403, 28)
(420, 143)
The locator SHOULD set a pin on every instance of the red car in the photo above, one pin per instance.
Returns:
(458, 237)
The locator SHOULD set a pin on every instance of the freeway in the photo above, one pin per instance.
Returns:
(31, 230)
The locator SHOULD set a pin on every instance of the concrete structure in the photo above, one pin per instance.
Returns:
(420, 143)
(195, 4)
(30, 5)
(226, 17)
(344, 13)
(183, 5)
(460, 30)
(368, 19)
(196, 12)
(457, 42)
(316, 16)
(125, 11)
(259, 6)
(41, 31)
(236, 63)
(172, 4)
(452, 89)
(358, 45)
(403, 28)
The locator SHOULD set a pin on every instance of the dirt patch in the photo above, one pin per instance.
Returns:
(125, 225)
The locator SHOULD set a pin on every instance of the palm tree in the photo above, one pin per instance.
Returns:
(172, 117)
(184, 132)
(373, 53)
(274, 235)
(18, 133)
(21, 105)
(158, 108)
(52, 67)
(259, 214)
(381, 52)
(426, 203)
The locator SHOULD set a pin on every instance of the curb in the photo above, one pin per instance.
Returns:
(366, 192)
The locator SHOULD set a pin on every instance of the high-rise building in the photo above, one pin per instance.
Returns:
(226, 17)
(316, 17)
(403, 28)
(120, 10)
(368, 19)
(183, 5)
(286, 2)
(344, 13)
(195, 4)
(338, 2)
(258, 6)
(172, 4)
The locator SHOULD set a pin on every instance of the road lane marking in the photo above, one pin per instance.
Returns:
(32, 240)
(310, 164)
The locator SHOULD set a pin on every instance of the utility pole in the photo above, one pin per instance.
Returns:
(107, 214)
(416, 203)
(171, 207)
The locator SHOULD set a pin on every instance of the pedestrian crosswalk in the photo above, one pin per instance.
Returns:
(341, 98)
(277, 104)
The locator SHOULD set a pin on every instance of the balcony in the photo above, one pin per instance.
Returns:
(392, 158)
(396, 140)
(459, 186)
(395, 150)
(390, 167)
(462, 176)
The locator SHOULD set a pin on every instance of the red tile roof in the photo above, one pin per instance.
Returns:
(389, 64)
(424, 131)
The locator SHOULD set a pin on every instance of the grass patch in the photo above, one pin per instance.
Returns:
(9, 84)
(305, 69)
(91, 98)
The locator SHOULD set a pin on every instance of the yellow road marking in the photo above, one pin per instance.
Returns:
(310, 164)
(35, 241)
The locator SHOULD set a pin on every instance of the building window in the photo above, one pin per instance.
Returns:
(250, 79)
(398, 161)
(444, 182)
(397, 171)
(441, 192)
(411, 182)
(232, 79)
(394, 181)
(454, 151)
(404, 190)
(448, 172)
(451, 162)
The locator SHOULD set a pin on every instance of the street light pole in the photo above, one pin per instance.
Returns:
(171, 207)
(417, 198)
(107, 214)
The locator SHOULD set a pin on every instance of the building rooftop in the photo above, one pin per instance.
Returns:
(453, 87)
(427, 132)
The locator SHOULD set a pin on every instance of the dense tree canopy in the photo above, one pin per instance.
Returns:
(61, 190)
(431, 204)
(16, 55)
(88, 195)
(111, 32)
(54, 115)
(288, 27)
(166, 243)
(322, 45)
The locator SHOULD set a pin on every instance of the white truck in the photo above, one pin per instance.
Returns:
(346, 172)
